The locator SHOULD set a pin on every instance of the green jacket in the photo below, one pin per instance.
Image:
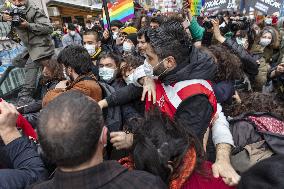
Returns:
(37, 36)
(196, 30)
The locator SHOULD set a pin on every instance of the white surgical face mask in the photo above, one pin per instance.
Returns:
(148, 68)
(265, 42)
(268, 21)
(114, 35)
(106, 74)
(242, 42)
(127, 47)
(130, 79)
(91, 49)
(72, 33)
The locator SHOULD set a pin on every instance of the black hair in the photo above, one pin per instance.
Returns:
(160, 141)
(68, 135)
(138, 23)
(170, 40)
(116, 23)
(157, 20)
(76, 57)
(143, 32)
(113, 56)
(71, 27)
(95, 33)
(229, 64)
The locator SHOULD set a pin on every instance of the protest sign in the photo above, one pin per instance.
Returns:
(219, 5)
(266, 6)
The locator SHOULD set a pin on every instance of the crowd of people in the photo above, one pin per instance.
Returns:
(173, 102)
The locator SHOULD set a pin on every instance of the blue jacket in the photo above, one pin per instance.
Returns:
(24, 164)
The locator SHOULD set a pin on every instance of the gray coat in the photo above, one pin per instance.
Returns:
(37, 36)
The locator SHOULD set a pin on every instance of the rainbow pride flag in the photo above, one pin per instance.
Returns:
(196, 6)
(122, 10)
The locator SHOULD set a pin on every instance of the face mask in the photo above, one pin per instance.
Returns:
(242, 42)
(72, 33)
(91, 49)
(130, 79)
(148, 68)
(268, 21)
(114, 35)
(159, 69)
(264, 42)
(22, 7)
(106, 74)
(127, 47)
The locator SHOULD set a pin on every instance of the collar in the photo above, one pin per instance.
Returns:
(172, 76)
(80, 78)
(187, 167)
(98, 52)
(94, 177)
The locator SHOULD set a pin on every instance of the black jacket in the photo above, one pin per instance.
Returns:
(249, 61)
(25, 167)
(107, 175)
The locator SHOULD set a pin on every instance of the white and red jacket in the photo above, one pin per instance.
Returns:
(170, 97)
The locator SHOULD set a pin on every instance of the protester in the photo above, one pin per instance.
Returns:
(72, 38)
(210, 87)
(92, 43)
(52, 74)
(78, 67)
(142, 22)
(155, 22)
(23, 164)
(165, 149)
(84, 167)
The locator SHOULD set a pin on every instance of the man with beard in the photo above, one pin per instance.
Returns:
(78, 67)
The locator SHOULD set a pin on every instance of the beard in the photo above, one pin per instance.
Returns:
(160, 70)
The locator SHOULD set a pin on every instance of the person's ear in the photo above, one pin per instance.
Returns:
(171, 62)
(99, 44)
(103, 138)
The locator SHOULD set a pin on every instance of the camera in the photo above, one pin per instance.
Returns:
(17, 15)
(241, 24)
(208, 25)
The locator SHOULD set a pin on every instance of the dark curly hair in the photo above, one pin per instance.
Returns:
(132, 62)
(255, 102)
(138, 21)
(55, 69)
(229, 65)
(160, 141)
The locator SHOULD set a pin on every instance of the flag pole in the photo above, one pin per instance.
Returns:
(107, 19)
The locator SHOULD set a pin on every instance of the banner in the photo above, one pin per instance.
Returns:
(219, 5)
(196, 6)
(282, 9)
(122, 10)
(267, 7)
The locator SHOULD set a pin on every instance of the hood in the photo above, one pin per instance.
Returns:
(198, 65)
